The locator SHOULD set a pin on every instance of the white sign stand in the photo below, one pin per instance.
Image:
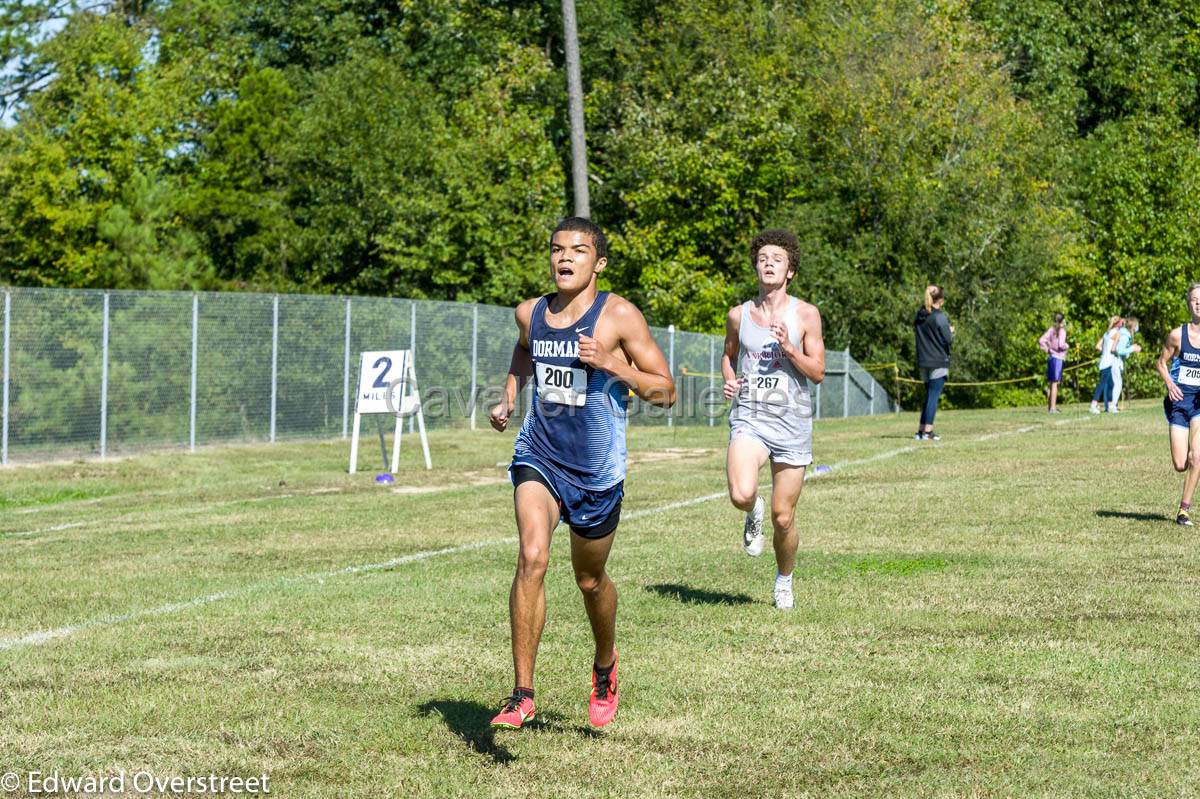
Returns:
(382, 390)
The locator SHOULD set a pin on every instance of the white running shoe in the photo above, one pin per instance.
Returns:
(752, 535)
(783, 597)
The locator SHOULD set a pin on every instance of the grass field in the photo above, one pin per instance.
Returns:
(1007, 612)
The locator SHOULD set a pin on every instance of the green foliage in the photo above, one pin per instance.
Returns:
(1030, 155)
(709, 122)
(1142, 178)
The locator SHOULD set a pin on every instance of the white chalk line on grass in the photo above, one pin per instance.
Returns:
(44, 636)
(628, 517)
(56, 528)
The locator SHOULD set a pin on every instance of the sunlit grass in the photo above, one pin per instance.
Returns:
(1006, 612)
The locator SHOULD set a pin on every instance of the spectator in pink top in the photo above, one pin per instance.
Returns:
(1054, 343)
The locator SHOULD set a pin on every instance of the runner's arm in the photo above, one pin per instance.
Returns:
(730, 353)
(809, 357)
(1163, 365)
(520, 368)
(648, 375)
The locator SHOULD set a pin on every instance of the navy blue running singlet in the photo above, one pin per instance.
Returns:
(1185, 367)
(577, 422)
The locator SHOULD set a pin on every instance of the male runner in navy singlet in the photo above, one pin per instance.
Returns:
(585, 351)
(1179, 366)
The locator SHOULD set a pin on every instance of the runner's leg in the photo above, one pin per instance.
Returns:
(589, 557)
(786, 481)
(1180, 439)
(537, 516)
(743, 461)
(1193, 475)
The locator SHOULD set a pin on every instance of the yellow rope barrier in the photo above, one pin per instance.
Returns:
(684, 371)
(993, 382)
(895, 369)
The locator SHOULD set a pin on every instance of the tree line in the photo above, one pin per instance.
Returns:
(1028, 155)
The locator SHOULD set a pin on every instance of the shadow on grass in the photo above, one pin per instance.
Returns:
(697, 596)
(471, 722)
(1141, 517)
(553, 721)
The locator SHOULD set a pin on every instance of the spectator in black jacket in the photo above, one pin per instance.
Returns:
(934, 334)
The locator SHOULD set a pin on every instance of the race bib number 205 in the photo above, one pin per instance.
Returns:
(563, 385)
(1189, 375)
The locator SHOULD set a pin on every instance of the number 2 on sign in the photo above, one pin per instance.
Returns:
(381, 380)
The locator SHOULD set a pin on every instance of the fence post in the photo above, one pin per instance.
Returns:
(4, 415)
(671, 362)
(104, 382)
(474, 356)
(872, 384)
(412, 345)
(195, 351)
(846, 382)
(817, 401)
(274, 360)
(346, 376)
(712, 368)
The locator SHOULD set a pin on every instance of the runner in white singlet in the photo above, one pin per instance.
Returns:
(773, 352)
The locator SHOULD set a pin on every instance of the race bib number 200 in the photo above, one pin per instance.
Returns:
(563, 385)
(1189, 375)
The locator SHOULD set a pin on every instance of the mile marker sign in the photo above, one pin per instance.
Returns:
(387, 383)
(381, 373)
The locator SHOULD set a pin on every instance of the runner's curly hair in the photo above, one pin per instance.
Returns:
(780, 238)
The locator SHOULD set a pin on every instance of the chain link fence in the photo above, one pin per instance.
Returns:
(93, 373)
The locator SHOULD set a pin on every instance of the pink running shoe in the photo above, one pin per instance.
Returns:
(517, 710)
(602, 704)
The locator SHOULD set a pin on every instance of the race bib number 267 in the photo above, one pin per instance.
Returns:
(766, 389)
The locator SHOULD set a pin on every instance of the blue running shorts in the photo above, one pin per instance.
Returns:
(1181, 414)
(590, 514)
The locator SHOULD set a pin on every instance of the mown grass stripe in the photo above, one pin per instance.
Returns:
(44, 636)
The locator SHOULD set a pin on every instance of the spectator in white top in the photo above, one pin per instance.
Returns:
(1125, 348)
(1107, 346)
